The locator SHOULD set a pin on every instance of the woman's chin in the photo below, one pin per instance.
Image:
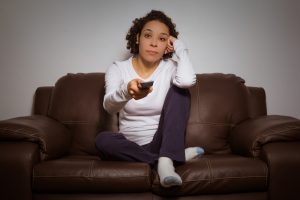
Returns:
(152, 58)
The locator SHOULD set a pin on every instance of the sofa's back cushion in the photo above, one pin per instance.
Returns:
(219, 102)
(77, 102)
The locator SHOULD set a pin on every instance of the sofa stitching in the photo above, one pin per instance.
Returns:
(204, 179)
(264, 135)
(75, 122)
(210, 171)
(280, 132)
(19, 132)
(232, 177)
(229, 177)
(16, 131)
(33, 175)
(41, 176)
(266, 173)
(91, 174)
(211, 178)
(198, 99)
(147, 177)
(212, 124)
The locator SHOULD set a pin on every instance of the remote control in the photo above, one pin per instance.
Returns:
(146, 85)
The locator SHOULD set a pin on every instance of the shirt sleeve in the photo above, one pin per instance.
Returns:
(184, 75)
(116, 93)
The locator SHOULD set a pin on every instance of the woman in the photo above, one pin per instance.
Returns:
(152, 120)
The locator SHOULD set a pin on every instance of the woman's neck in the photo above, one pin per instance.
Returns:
(143, 68)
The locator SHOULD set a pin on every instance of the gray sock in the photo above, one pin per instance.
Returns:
(193, 152)
(167, 175)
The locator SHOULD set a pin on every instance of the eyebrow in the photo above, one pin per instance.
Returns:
(152, 31)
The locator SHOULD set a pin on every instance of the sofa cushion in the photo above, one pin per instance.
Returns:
(81, 174)
(218, 174)
(218, 103)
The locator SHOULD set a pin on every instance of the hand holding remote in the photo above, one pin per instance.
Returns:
(136, 90)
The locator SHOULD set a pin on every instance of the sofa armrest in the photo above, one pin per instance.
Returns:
(248, 137)
(283, 165)
(53, 138)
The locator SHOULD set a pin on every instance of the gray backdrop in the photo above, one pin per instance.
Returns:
(42, 40)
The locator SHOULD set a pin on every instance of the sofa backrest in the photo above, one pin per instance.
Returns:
(77, 102)
(219, 102)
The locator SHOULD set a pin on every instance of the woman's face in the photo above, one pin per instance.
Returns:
(153, 41)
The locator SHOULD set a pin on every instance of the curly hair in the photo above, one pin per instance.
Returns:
(138, 25)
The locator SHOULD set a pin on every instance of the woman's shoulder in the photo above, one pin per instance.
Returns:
(120, 64)
(125, 62)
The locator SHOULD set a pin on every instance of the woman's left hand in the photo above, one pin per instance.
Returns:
(170, 45)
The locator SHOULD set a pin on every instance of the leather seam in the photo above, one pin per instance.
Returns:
(17, 131)
(91, 169)
(75, 122)
(263, 136)
(210, 171)
(89, 177)
(148, 177)
(198, 99)
(211, 124)
(244, 177)
(28, 136)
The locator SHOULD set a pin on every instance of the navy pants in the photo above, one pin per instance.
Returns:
(168, 141)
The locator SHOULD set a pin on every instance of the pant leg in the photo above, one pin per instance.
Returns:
(114, 146)
(169, 140)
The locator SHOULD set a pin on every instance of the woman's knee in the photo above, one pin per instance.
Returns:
(178, 97)
(102, 140)
(181, 92)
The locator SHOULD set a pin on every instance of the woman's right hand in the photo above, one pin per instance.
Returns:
(134, 89)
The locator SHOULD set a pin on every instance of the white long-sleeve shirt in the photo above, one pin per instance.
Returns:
(139, 119)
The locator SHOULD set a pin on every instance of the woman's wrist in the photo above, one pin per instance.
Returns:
(125, 91)
(179, 46)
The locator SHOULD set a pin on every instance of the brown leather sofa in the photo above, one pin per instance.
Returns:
(51, 155)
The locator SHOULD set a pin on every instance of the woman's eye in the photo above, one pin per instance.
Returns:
(163, 39)
(147, 35)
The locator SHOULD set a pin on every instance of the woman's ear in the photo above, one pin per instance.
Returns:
(137, 38)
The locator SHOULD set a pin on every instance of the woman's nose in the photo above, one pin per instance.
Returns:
(154, 42)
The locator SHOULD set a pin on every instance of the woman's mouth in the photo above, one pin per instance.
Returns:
(152, 52)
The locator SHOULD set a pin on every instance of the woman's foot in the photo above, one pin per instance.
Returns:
(167, 175)
(193, 152)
